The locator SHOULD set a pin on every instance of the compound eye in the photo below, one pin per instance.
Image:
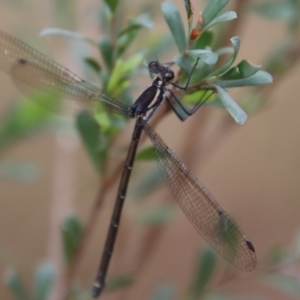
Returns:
(151, 64)
(153, 67)
(169, 75)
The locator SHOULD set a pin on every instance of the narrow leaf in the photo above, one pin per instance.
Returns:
(119, 282)
(233, 108)
(211, 10)
(226, 16)
(68, 34)
(26, 118)
(205, 265)
(90, 133)
(184, 62)
(71, 230)
(224, 68)
(14, 282)
(163, 292)
(205, 40)
(157, 216)
(206, 56)
(242, 70)
(44, 278)
(112, 4)
(189, 8)
(173, 19)
(106, 51)
(146, 154)
(147, 184)
(259, 78)
(93, 64)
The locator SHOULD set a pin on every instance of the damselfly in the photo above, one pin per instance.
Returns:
(31, 70)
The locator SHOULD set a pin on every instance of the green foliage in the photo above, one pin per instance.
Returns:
(157, 216)
(14, 282)
(118, 65)
(71, 231)
(173, 19)
(95, 143)
(146, 154)
(163, 292)
(237, 113)
(206, 76)
(44, 278)
(211, 12)
(24, 119)
(43, 282)
(205, 266)
(119, 282)
(147, 184)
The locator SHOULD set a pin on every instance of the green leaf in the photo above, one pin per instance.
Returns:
(259, 78)
(198, 96)
(120, 74)
(14, 282)
(89, 131)
(25, 172)
(173, 19)
(242, 70)
(226, 16)
(142, 21)
(205, 266)
(71, 230)
(93, 64)
(286, 284)
(158, 216)
(206, 56)
(211, 10)
(68, 34)
(106, 52)
(236, 112)
(147, 184)
(112, 4)
(26, 118)
(277, 256)
(224, 68)
(185, 62)
(189, 8)
(205, 40)
(128, 35)
(119, 282)
(146, 154)
(163, 292)
(44, 278)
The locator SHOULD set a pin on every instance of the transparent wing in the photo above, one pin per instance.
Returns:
(202, 210)
(32, 71)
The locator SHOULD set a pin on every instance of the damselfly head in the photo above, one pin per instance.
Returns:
(162, 69)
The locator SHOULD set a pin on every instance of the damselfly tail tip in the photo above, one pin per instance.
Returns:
(97, 289)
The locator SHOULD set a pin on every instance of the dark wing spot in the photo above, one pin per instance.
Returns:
(250, 246)
(22, 61)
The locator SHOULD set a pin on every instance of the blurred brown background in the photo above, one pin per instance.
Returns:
(253, 172)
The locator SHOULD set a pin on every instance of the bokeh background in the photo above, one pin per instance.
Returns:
(253, 171)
